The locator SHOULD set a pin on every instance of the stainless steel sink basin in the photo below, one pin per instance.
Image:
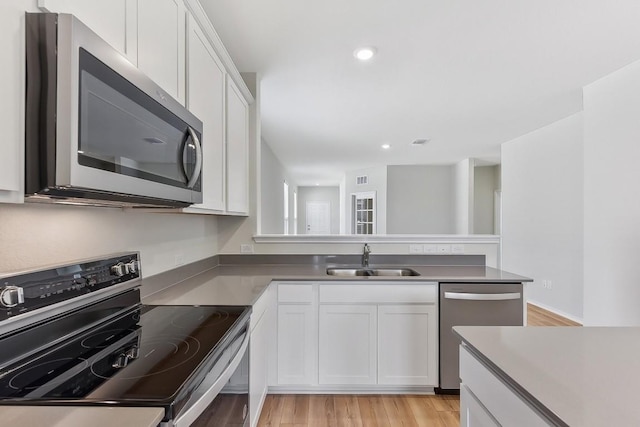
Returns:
(351, 272)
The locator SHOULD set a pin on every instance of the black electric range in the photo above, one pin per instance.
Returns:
(109, 349)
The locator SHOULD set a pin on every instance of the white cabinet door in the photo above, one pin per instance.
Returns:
(407, 345)
(115, 20)
(161, 44)
(258, 366)
(12, 88)
(237, 150)
(472, 413)
(205, 99)
(297, 344)
(347, 344)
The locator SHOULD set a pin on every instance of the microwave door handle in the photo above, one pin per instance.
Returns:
(482, 297)
(198, 167)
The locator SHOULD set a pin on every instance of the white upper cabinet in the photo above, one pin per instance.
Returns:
(113, 20)
(205, 99)
(237, 150)
(161, 44)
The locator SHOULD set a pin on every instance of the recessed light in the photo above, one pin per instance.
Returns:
(365, 53)
(386, 146)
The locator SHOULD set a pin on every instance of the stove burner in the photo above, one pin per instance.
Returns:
(213, 319)
(49, 373)
(153, 356)
(103, 339)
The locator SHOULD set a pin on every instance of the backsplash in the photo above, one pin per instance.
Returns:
(34, 235)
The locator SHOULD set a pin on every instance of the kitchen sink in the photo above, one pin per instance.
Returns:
(366, 271)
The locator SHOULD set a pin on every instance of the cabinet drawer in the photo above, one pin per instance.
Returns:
(295, 293)
(499, 399)
(378, 293)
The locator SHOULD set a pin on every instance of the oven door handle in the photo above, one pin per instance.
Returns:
(194, 411)
(482, 297)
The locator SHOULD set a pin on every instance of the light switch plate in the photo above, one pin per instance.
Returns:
(430, 249)
(457, 249)
(415, 249)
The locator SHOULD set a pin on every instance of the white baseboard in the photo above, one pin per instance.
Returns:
(372, 389)
(556, 311)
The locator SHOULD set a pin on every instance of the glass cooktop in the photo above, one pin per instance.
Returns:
(147, 355)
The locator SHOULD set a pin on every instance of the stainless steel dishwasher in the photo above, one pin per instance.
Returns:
(473, 304)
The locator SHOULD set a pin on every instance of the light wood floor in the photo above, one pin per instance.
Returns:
(282, 410)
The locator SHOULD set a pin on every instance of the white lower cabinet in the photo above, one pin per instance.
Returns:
(297, 334)
(261, 333)
(348, 343)
(408, 344)
(359, 335)
(486, 400)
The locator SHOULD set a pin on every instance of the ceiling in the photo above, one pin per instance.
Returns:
(466, 74)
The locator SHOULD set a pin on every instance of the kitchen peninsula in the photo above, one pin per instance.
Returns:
(562, 376)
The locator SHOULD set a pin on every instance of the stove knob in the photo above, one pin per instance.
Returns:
(121, 361)
(131, 266)
(118, 269)
(11, 296)
(133, 353)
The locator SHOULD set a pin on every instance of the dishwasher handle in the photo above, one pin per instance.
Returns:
(482, 297)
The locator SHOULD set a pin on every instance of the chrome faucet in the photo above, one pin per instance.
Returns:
(365, 255)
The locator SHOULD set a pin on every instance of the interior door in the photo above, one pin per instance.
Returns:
(318, 217)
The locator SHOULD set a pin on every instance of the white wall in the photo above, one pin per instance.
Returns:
(612, 199)
(272, 180)
(319, 194)
(34, 235)
(377, 181)
(485, 183)
(419, 200)
(463, 196)
(542, 213)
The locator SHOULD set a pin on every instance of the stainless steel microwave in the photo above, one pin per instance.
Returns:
(98, 131)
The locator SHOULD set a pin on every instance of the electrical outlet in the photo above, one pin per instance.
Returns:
(444, 249)
(246, 249)
(415, 249)
(457, 249)
(178, 260)
(549, 284)
(430, 249)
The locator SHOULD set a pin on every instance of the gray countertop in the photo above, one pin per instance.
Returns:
(70, 416)
(243, 284)
(583, 376)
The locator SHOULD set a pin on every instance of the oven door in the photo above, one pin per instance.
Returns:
(222, 399)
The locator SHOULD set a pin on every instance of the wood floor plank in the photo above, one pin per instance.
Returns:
(372, 411)
(537, 316)
(423, 411)
(450, 418)
(398, 411)
(322, 411)
(347, 411)
(295, 409)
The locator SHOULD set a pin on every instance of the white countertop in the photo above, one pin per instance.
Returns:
(586, 376)
(71, 416)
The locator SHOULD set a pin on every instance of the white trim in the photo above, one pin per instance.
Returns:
(349, 389)
(556, 311)
(381, 238)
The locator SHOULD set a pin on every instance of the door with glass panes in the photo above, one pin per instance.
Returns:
(363, 213)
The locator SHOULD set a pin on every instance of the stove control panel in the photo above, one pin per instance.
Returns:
(37, 289)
